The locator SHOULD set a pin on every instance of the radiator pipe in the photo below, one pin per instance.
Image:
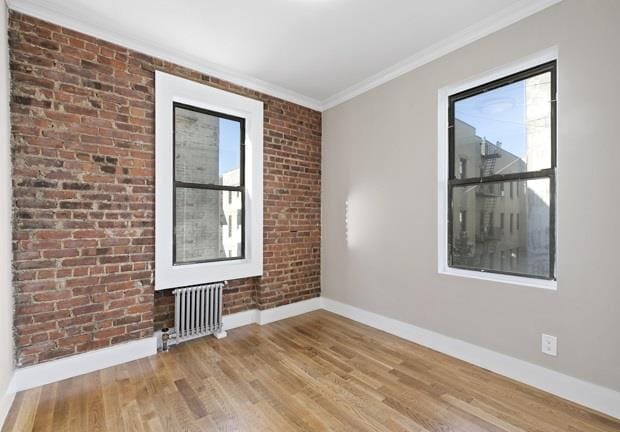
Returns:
(164, 339)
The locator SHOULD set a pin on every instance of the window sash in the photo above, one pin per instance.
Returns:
(552, 233)
(547, 173)
(501, 82)
(208, 186)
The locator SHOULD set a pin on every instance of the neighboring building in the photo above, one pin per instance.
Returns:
(199, 217)
(537, 91)
(231, 206)
(488, 227)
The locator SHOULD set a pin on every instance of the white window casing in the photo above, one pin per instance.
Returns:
(442, 170)
(170, 89)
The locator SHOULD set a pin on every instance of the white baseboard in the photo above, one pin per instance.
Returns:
(68, 367)
(57, 370)
(290, 310)
(262, 317)
(240, 319)
(584, 393)
(5, 405)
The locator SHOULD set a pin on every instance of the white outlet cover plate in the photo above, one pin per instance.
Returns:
(549, 345)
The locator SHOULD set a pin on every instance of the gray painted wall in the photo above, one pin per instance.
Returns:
(380, 151)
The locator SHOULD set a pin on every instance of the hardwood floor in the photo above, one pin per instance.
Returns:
(315, 372)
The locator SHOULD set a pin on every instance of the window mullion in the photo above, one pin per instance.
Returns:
(530, 175)
(180, 184)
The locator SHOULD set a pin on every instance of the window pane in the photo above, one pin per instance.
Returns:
(202, 228)
(207, 148)
(486, 244)
(505, 130)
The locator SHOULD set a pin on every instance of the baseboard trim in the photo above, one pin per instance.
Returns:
(57, 370)
(5, 405)
(584, 393)
(266, 316)
(290, 310)
(240, 319)
(590, 395)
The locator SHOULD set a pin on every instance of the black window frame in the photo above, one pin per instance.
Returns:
(546, 173)
(216, 187)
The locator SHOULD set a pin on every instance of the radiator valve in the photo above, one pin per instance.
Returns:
(165, 335)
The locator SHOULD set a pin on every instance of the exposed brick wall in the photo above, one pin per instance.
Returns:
(83, 148)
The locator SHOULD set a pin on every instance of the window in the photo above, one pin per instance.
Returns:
(507, 127)
(209, 151)
(208, 160)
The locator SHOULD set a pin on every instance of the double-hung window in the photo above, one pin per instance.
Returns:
(208, 184)
(506, 129)
(209, 150)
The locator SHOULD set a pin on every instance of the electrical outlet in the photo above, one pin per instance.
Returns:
(549, 345)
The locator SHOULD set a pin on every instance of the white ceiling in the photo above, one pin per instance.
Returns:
(314, 52)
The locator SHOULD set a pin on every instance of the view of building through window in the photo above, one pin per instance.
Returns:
(208, 186)
(505, 136)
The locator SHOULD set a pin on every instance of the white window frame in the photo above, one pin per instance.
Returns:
(444, 93)
(170, 89)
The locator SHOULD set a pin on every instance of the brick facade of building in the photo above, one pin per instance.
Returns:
(82, 117)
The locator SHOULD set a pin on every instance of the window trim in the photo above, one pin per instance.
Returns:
(444, 168)
(170, 89)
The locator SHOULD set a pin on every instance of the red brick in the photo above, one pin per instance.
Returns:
(83, 145)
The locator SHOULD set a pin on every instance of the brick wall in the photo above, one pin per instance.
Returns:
(83, 158)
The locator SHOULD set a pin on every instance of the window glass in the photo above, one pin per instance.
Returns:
(507, 129)
(202, 229)
(208, 186)
(207, 148)
(470, 249)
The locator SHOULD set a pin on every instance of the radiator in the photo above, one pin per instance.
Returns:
(198, 311)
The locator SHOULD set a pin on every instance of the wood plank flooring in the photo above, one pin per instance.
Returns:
(315, 372)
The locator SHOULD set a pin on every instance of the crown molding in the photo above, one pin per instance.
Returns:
(104, 30)
(93, 26)
(516, 12)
